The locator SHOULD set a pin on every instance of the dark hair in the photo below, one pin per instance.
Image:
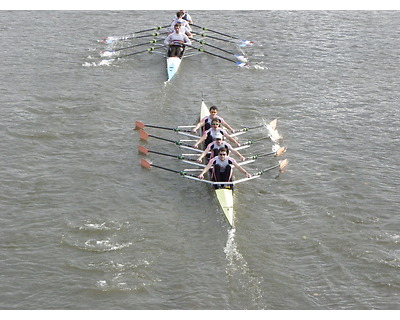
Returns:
(214, 108)
(223, 149)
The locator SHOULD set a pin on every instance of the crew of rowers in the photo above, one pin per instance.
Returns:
(180, 32)
(220, 162)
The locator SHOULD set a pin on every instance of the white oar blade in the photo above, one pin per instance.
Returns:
(283, 165)
(107, 53)
(241, 58)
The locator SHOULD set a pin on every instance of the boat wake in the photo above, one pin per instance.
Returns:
(240, 275)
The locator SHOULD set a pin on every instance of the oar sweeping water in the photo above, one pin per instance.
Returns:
(107, 53)
(239, 64)
(239, 57)
(111, 39)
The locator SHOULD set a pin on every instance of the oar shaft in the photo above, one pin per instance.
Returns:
(222, 34)
(133, 53)
(249, 128)
(179, 143)
(213, 54)
(212, 37)
(166, 128)
(212, 46)
(136, 45)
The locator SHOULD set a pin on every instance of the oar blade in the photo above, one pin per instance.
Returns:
(143, 135)
(139, 125)
(283, 165)
(143, 150)
(107, 53)
(145, 164)
(280, 151)
(240, 58)
(273, 124)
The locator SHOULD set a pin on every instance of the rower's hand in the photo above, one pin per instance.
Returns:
(199, 160)
(194, 131)
(238, 144)
(233, 131)
(196, 147)
(200, 176)
(248, 175)
(243, 158)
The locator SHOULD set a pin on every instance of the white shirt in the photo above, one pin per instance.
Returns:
(184, 24)
(177, 37)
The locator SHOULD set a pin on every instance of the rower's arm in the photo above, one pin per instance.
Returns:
(226, 125)
(241, 169)
(203, 154)
(200, 140)
(237, 153)
(207, 167)
(200, 124)
(232, 139)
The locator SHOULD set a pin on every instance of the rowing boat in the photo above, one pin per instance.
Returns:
(122, 46)
(224, 195)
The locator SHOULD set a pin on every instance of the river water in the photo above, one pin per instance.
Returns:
(83, 226)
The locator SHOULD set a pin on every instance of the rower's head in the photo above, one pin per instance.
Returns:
(213, 111)
(222, 153)
(215, 123)
(219, 138)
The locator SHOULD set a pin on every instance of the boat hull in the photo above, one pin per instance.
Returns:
(224, 196)
(225, 199)
(173, 64)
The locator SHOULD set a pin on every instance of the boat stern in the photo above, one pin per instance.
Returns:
(225, 199)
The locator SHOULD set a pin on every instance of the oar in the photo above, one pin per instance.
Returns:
(222, 34)
(254, 141)
(111, 39)
(242, 43)
(145, 136)
(141, 125)
(277, 153)
(146, 164)
(108, 53)
(272, 125)
(145, 151)
(239, 64)
(131, 54)
(282, 166)
(239, 57)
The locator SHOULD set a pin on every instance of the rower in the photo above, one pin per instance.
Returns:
(210, 134)
(176, 42)
(206, 121)
(214, 147)
(184, 22)
(186, 16)
(222, 168)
